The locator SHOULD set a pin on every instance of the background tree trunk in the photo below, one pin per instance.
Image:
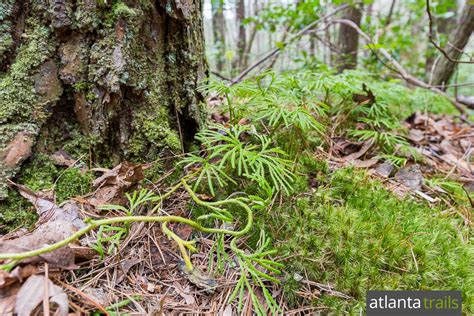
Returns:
(348, 40)
(219, 30)
(241, 36)
(457, 40)
(443, 27)
(107, 81)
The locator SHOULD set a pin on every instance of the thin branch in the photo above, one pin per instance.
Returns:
(399, 68)
(390, 13)
(433, 68)
(330, 45)
(430, 37)
(455, 85)
(217, 74)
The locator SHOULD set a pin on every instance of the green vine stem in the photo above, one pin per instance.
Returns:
(93, 224)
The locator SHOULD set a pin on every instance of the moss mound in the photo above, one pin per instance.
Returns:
(40, 173)
(352, 234)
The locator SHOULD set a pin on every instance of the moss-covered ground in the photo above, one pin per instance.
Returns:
(350, 233)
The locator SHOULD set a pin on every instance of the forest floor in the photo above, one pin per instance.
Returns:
(357, 218)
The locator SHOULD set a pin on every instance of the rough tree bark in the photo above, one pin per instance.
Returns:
(348, 40)
(115, 79)
(457, 40)
(219, 30)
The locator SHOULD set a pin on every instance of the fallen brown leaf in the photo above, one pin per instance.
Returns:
(55, 224)
(384, 169)
(365, 163)
(365, 147)
(32, 292)
(113, 183)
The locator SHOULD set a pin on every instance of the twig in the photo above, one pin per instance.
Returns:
(331, 46)
(390, 14)
(85, 296)
(430, 37)
(215, 73)
(46, 289)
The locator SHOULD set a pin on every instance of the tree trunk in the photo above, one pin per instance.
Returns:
(241, 36)
(253, 35)
(219, 30)
(443, 27)
(348, 40)
(108, 81)
(457, 40)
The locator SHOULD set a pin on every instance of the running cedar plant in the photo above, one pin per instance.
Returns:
(290, 109)
(109, 237)
(256, 267)
(251, 265)
(230, 93)
(296, 108)
(241, 151)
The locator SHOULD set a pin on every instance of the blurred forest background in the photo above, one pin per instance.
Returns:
(239, 33)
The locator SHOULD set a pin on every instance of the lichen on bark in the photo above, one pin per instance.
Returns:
(28, 91)
(123, 74)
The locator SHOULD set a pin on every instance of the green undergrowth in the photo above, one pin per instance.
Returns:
(352, 234)
(334, 227)
(298, 109)
(42, 174)
(338, 228)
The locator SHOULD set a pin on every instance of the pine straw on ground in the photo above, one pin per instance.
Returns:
(146, 271)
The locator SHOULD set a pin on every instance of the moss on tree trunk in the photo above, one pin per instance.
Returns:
(114, 78)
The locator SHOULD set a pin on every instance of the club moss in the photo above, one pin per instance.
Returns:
(348, 232)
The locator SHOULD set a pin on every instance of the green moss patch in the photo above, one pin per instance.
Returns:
(17, 89)
(352, 234)
(41, 174)
(72, 182)
(16, 212)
